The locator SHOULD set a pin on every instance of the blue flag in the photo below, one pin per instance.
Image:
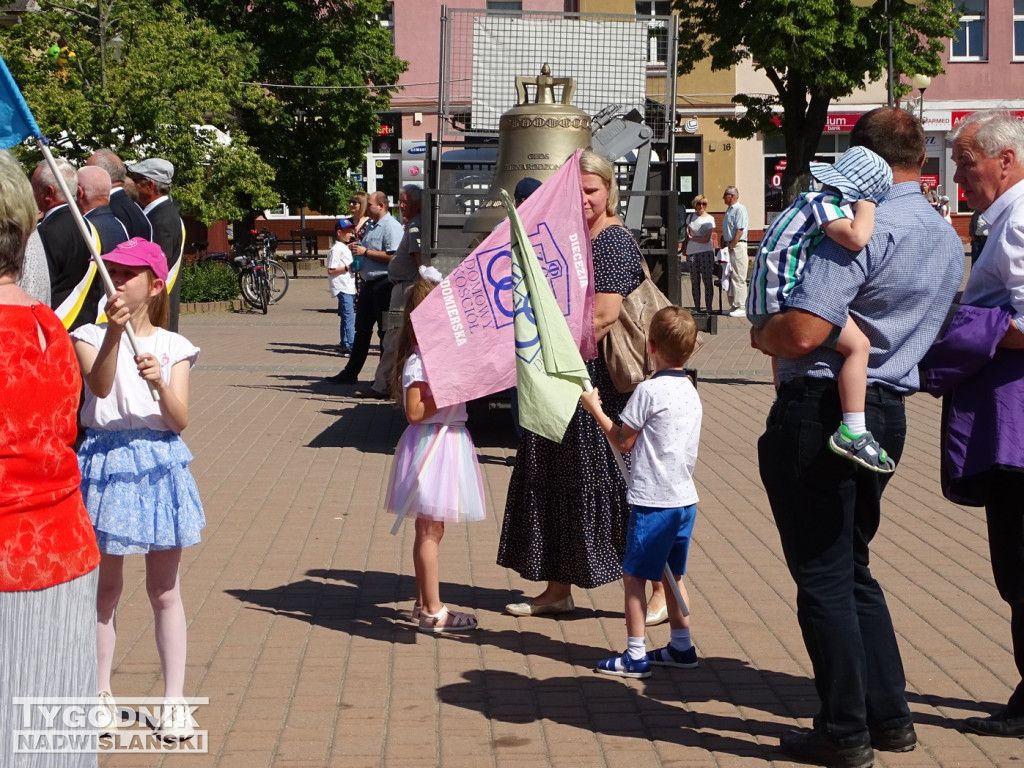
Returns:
(16, 121)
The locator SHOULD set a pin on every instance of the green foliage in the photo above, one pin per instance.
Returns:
(208, 281)
(312, 137)
(175, 72)
(812, 51)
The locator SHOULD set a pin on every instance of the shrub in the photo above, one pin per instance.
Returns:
(209, 281)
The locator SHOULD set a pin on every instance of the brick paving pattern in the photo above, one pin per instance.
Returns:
(297, 599)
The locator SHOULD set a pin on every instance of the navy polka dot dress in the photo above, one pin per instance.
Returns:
(566, 513)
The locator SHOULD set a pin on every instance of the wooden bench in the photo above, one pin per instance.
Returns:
(306, 245)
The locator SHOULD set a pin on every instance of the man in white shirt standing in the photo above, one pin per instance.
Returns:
(734, 238)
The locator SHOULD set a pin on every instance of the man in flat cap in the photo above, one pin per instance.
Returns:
(152, 179)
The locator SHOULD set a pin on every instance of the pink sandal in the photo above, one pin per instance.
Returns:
(417, 612)
(446, 621)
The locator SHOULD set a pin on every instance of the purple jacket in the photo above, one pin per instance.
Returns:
(983, 405)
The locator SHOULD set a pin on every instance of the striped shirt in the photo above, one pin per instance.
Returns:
(786, 246)
(898, 290)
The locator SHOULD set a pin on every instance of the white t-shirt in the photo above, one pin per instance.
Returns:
(130, 404)
(413, 372)
(699, 226)
(666, 411)
(340, 256)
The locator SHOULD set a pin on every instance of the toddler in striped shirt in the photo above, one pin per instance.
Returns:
(843, 210)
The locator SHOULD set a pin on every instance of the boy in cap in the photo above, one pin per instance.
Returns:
(342, 282)
(843, 210)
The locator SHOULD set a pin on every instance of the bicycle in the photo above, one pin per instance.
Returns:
(263, 248)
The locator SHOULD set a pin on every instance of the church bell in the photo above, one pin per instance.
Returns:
(534, 140)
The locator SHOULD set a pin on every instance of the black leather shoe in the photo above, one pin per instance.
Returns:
(341, 378)
(818, 747)
(371, 394)
(997, 725)
(902, 739)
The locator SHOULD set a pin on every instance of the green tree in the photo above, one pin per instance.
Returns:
(812, 51)
(326, 66)
(146, 94)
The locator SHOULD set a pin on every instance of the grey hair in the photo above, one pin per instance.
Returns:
(732, 191)
(109, 162)
(413, 193)
(44, 177)
(996, 131)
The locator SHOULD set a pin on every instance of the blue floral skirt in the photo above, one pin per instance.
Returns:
(139, 492)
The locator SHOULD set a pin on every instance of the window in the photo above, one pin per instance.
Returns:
(969, 44)
(1018, 29)
(498, 6)
(657, 30)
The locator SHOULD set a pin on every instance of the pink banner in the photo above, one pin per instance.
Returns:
(464, 327)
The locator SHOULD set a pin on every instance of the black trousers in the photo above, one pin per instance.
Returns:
(373, 302)
(827, 510)
(1004, 512)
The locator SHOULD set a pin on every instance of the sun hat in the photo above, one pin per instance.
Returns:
(139, 252)
(858, 174)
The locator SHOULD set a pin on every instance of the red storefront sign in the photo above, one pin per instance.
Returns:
(840, 122)
(956, 118)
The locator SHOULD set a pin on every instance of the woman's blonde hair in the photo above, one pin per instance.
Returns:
(362, 198)
(699, 199)
(599, 165)
(414, 294)
(18, 214)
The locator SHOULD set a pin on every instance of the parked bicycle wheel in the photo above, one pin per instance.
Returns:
(278, 277)
(264, 288)
(250, 290)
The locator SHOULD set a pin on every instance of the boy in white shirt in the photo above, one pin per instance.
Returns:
(661, 425)
(342, 282)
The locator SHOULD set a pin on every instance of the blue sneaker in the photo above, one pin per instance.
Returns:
(623, 666)
(670, 657)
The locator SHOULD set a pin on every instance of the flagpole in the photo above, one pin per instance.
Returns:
(83, 229)
(666, 571)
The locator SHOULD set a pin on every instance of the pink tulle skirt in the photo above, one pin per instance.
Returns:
(449, 488)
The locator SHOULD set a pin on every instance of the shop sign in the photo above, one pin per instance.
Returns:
(958, 117)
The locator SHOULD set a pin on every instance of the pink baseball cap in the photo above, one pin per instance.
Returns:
(139, 252)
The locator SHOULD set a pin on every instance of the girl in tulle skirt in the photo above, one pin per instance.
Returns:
(435, 476)
(141, 497)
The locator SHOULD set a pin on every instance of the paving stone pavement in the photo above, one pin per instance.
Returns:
(297, 599)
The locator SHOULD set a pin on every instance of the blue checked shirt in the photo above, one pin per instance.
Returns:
(898, 290)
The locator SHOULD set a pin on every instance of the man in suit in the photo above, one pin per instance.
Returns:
(152, 179)
(122, 194)
(93, 202)
(75, 290)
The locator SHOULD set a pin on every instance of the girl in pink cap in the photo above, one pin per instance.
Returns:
(141, 497)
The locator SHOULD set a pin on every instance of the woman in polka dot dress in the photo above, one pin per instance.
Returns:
(566, 512)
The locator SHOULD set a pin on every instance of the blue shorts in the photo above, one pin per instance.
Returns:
(658, 536)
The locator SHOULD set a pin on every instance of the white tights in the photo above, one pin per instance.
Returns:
(164, 590)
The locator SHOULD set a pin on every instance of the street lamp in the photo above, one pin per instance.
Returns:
(887, 10)
(921, 82)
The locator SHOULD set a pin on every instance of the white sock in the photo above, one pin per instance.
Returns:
(681, 640)
(855, 423)
(636, 648)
